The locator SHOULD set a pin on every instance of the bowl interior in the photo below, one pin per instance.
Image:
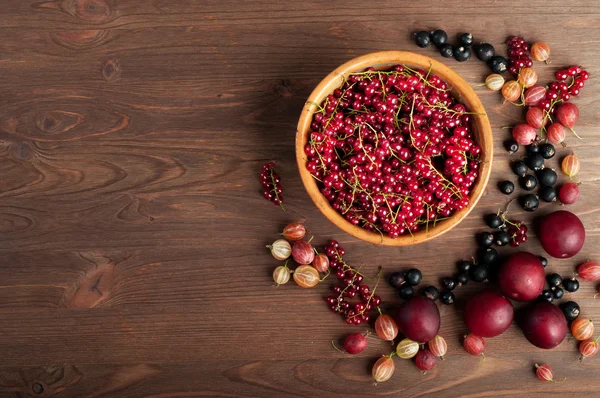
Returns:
(384, 60)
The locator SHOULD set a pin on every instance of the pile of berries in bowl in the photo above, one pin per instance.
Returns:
(394, 148)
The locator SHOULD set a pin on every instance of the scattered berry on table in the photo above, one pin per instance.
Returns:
(547, 150)
(406, 292)
(464, 265)
(501, 238)
(528, 182)
(439, 38)
(462, 278)
(571, 285)
(498, 63)
(466, 39)
(543, 260)
(554, 280)
(494, 220)
(396, 279)
(571, 310)
(485, 51)
(511, 146)
(546, 295)
(519, 168)
(557, 293)
(485, 239)
(479, 273)
(535, 161)
(447, 51)
(413, 276)
(462, 53)
(547, 177)
(488, 256)
(431, 292)
(529, 202)
(506, 187)
(422, 38)
(447, 297)
(449, 283)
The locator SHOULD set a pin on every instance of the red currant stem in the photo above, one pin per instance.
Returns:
(370, 295)
(408, 229)
(319, 107)
(334, 346)
(274, 190)
(576, 135)
(325, 277)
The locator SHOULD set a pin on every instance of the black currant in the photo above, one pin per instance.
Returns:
(519, 168)
(485, 239)
(465, 266)
(494, 220)
(406, 292)
(479, 273)
(571, 310)
(413, 276)
(447, 298)
(462, 278)
(546, 296)
(533, 148)
(449, 283)
(558, 293)
(528, 182)
(543, 260)
(485, 51)
(422, 38)
(506, 187)
(511, 146)
(498, 63)
(571, 285)
(488, 256)
(529, 202)
(547, 194)
(554, 280)
(534, 161)
(396, 279)
(461, 54)
(439, 38)
(447, 51)
(547, 177)
(547, 150)
(465, 39)
(501, 238)
(431, 292)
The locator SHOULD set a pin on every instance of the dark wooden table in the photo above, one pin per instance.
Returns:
(132, 227)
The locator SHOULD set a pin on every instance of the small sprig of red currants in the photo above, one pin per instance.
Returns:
(272, 189)
(353, 299)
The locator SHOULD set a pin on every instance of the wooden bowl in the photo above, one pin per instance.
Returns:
(383, 60)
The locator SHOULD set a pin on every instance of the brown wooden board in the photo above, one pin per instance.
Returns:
(132, 227)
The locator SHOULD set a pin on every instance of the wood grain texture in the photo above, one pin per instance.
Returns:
(132, 229)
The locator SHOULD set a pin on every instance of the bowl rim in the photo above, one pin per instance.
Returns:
(381, 60)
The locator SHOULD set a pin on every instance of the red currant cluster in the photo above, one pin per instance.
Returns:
(272, 189)
(560, 87)
(393, 150)
(351, 287)
(517, 230)
(518, 54)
